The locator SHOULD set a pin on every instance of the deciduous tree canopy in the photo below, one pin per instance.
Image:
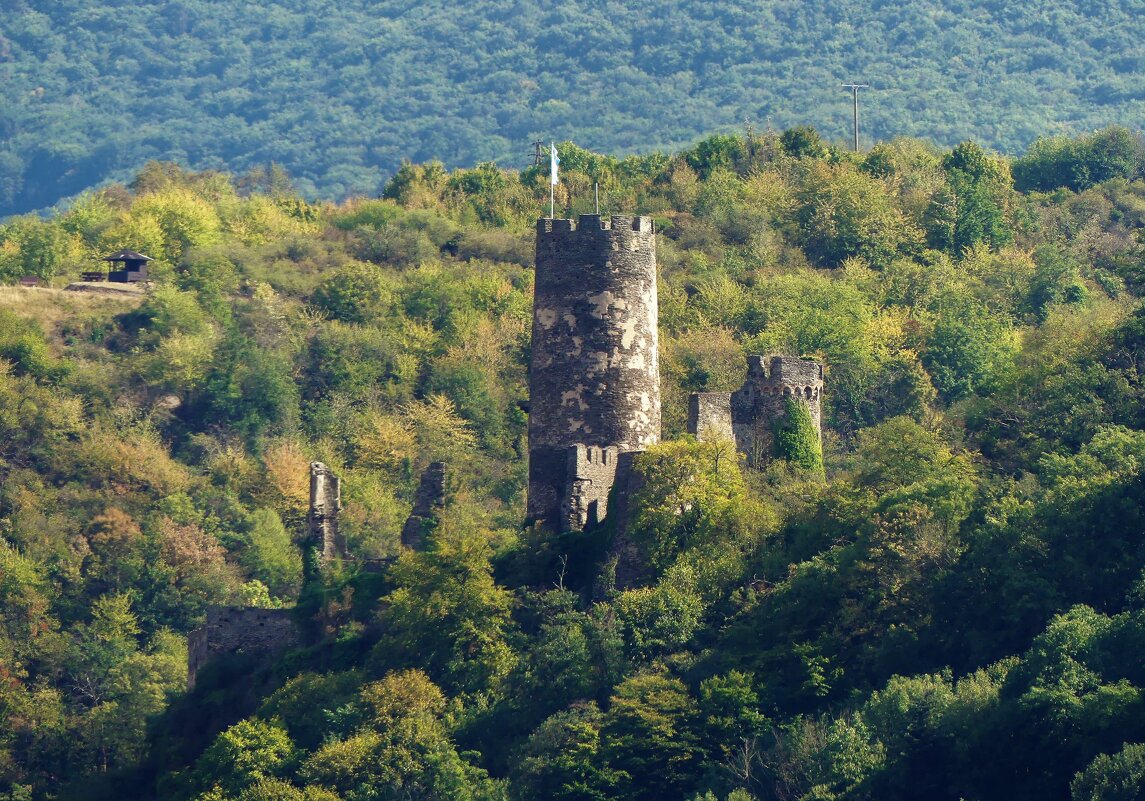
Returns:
(958, 568)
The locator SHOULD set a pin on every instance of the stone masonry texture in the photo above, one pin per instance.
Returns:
(591, 473)
(594, 374)
(428, 504)
(710, 416)
(233, 630)
(325, 504)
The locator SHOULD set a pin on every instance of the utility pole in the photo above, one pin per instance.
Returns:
(538, 155)
(855, 87)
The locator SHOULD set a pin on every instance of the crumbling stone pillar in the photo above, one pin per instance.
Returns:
(323, 538)
(428, 503)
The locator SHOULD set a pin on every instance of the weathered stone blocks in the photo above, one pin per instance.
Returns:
(710, 416)
(591, 474)
(428, 504)
(594, 374)
(325, 504)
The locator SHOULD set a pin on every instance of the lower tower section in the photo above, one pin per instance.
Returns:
(594, 375)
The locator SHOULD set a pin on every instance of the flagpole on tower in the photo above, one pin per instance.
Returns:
(554, 160)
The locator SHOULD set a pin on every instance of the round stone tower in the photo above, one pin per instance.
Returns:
(594, 376)
(760, 405)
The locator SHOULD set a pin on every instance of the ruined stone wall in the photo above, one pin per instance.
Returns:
(594, 374)
(760, 405)
(234, 630)
(710, 416)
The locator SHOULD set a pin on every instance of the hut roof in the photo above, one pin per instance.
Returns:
(127, 255)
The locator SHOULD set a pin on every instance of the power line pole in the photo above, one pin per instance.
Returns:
(538, 156)
(855, 87)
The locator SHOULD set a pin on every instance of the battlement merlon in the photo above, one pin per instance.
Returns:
(785, 371)
(590, 225)
(584, 460)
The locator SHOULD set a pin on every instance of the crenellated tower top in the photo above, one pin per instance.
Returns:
(787, 375)
(591, 225)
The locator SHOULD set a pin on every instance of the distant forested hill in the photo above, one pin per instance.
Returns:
(339, 92)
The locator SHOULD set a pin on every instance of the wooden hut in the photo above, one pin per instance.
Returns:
(134, 267)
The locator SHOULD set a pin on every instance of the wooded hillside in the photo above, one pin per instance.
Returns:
(952, 605)
(340, 92)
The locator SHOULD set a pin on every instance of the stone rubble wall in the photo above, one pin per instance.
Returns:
(428, 504)
(710, 416)
(240, 630)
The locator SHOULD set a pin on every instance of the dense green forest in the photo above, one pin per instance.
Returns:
(341, 92)
(950, 605)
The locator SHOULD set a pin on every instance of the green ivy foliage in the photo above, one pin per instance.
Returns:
(797, 439)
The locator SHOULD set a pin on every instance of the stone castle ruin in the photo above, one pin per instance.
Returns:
(594, 382)
(250, 630)
(594, 377)
(232, 630)
(750, 416)
(594, 387)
